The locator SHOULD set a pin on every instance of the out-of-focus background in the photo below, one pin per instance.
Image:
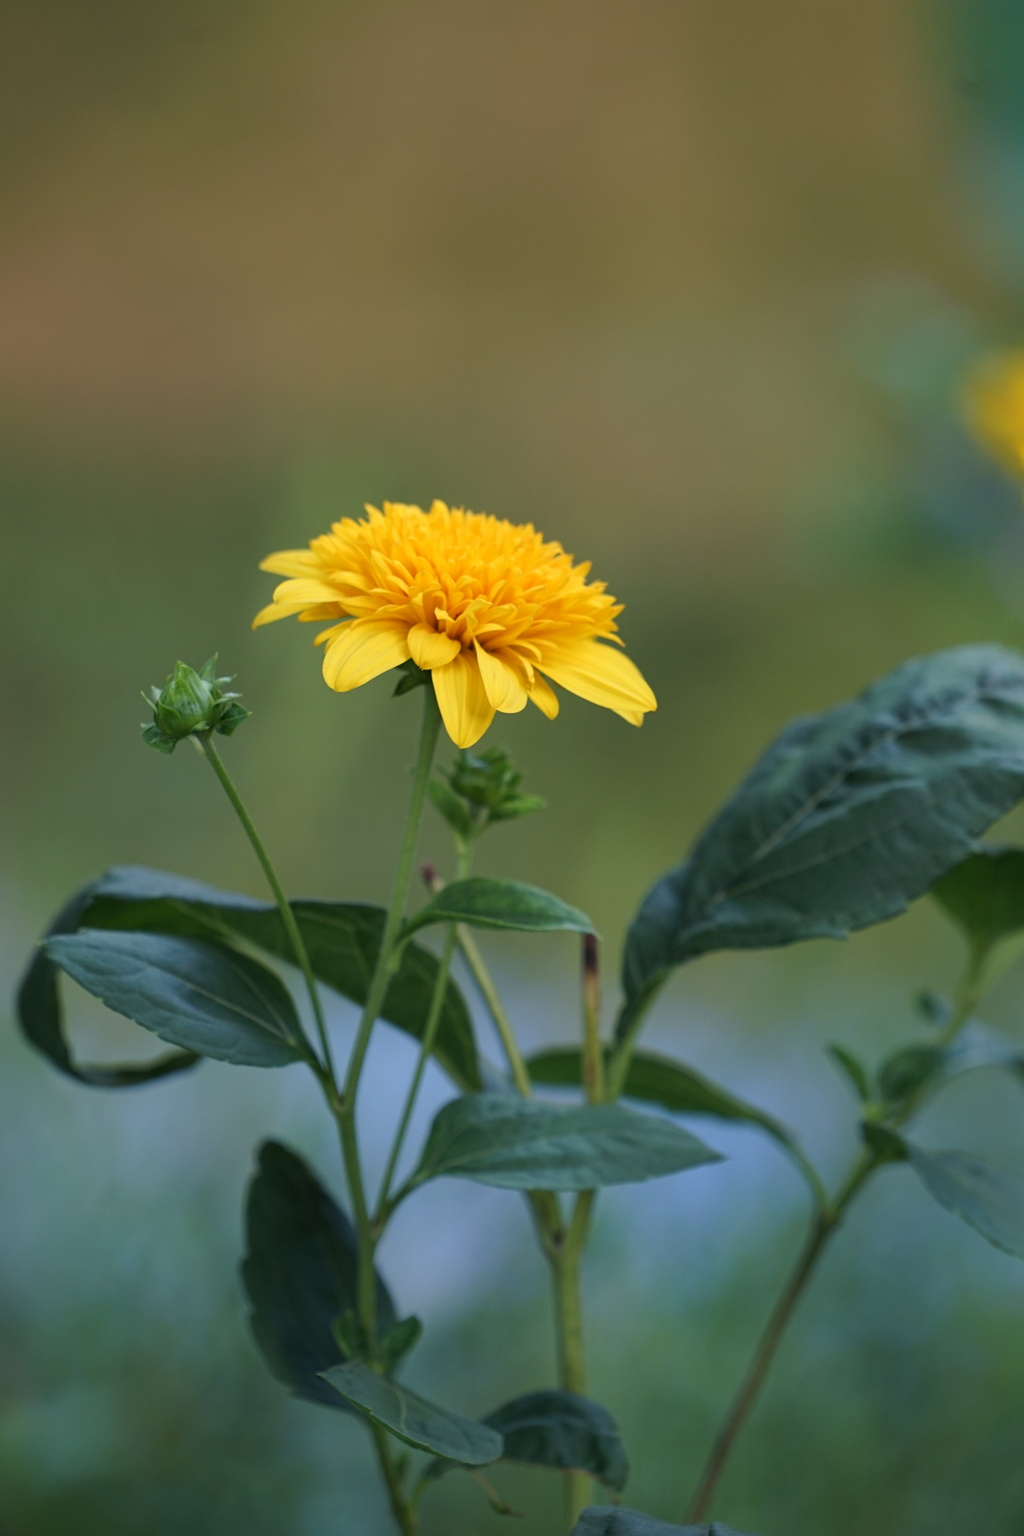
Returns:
(692, 286)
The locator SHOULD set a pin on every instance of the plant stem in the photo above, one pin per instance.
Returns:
(403, 1509)
(496, 1008)
(565, 1266)
(324, 1069)
(382, 974)
(824, 1224)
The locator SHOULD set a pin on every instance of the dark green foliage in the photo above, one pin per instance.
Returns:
(985, 895)
(300, 1273)
(847, 817)
(484, 903)
(908, 1070)
(854, 1070)
(342, 940)
(513, 1143)
(205, 998)
(658, 1080)
(560, 1430)
(412, 1418)
(988, 1198)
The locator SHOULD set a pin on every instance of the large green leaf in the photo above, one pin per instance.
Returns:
(659, 1080)
(300, 1274)
(988, 1198)
(41, 1017)
(514, 1143)
(412, 1418)
(847, 817)
(486, 903)
(608, 1521)
(342, 939)
(559, 1430)
(985, 894)
(202, 997)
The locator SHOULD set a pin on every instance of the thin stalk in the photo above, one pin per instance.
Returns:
(325, 1069)
(496, 1008)
(426, 1047)
(382, 974)
(593, 1051)
(824, 1224)
(572, 1376)
(403, 1508)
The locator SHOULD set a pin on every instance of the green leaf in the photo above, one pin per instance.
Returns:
(484, 903)
(847, 817)
(447, 803)
(206, 999)
(988, 1198)
(854, 1070)
(412, 1418)
(398, 1341)
(559, 1430)
(908, 1070)
(514, 1143)
(342, 939)
(41, 1017)
(658, 1080)
(984, 895)
(615, 1521)
(300, 1273)
(888, 1146)
(979, 1045)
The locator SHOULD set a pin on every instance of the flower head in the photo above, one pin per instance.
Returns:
(993, 396)
(488, 607)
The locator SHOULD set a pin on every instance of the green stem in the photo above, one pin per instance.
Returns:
(825, 1223)
(403, 1508)
(324, 1069)
(382, 974)
(496, 1008)
(572, 1376)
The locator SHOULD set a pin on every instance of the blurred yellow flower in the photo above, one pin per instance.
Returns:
(487, 607)
(993, 395)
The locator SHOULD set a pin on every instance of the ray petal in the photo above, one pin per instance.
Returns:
(292, 562)
(429, 649)
(602, 676)
(462, 699)
(362, 651)
(544, 696)
(502, 684)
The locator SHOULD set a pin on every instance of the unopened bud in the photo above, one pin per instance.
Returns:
(192, 703)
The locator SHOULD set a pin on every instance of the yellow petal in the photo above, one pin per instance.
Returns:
(305, 592)
(503, 686)
(544, 696)
(602, 676)
(462, 700)
(292, 562)
(429, 649)
(272, 612)
(362, 651)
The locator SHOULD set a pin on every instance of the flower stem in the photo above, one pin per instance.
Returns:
(383, 972)
(324, 1069)
(403, 1508)
(572, 1377)
(496, 1008)
(825, 1222)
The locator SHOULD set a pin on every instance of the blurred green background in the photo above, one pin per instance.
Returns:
(690, 286)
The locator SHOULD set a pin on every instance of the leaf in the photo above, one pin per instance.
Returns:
(979, 1045)
(854, 1070)
(412, 1418)
(447, 803)
(398, 1341)
(300, 1273)
(908, 1070)
(988, 1198)
(887, 1145)
(846, 818)
(342, 939)
(984, 895)
(559, 1430)
(486, 903)
(658, 1080)
(514, 1143)
(204, 998)
(615, 1521)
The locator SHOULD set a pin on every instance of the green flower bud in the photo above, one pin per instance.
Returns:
(191, 704)
(481, 788)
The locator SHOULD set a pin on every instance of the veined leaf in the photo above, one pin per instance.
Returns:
(514, 1143)
(412, 1418)
(486, 903)
(988, 1198)
(847, 817)
(559, 1430)
(202, 997)
(985, 894)
(342, 939)
(300, 1274)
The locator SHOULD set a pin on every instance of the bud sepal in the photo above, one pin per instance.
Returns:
(192, 703)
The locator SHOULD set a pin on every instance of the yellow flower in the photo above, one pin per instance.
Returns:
(993, 396)
(487, 607)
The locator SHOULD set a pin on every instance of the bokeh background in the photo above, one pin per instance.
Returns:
(691, 284)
